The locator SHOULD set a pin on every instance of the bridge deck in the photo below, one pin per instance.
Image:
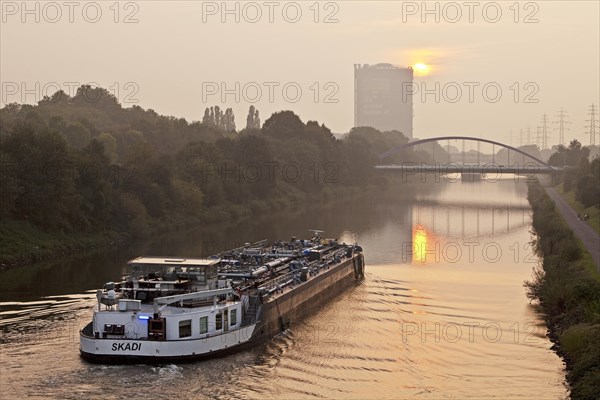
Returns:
(413, 168)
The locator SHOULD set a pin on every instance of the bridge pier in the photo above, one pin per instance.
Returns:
(470, 177)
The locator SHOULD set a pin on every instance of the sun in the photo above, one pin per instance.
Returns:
(421, 68)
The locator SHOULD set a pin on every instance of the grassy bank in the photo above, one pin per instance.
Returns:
(592, 211)
(567, 285)
(22, 243)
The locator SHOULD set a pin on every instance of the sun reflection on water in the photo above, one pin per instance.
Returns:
(420, 238)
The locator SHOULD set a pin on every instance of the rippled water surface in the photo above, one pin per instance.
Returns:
(442, 312)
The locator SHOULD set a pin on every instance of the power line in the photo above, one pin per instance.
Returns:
(521, 138)
(561, 125)
(593, 125)
(544, 131)
(538, 137)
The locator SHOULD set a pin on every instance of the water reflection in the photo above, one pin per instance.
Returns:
(420, 244)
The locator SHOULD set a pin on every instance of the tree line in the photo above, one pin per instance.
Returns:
(581, 176)
(71, 164)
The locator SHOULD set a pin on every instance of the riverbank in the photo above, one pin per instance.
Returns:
(567, 285)
(21, 243)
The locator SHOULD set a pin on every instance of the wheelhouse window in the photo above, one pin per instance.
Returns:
(219, 321)
(211, 272)
(185, 328)
(233, 317)
(201, 276)
(203, 325)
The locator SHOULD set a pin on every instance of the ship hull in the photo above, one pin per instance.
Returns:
(109, 351)
(284, 311)
(287, 310)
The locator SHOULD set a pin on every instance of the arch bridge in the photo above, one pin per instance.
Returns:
(533, 167)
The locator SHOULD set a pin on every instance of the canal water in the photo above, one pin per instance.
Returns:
(441, 313)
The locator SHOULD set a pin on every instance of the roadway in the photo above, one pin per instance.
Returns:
(589, 237)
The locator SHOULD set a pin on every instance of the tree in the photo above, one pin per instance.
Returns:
(77, 135)
(97, 97)
(229, 121)
(11, 187)
(44, 166)
(207, 120)
(595, 173)
(58, 97)
(110, 146)
(358, 162)
(57, 124)
(189, 196)
(381, 142)
(595, 168)
(569, 156)
(283, 125)
(256, 120)
(218, 117)
(93, 184)
(36, 121)
(587, 190)
(253, 119)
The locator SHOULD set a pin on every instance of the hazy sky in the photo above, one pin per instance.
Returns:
(179, 53)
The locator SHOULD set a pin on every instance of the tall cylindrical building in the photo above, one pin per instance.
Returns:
(383, 97)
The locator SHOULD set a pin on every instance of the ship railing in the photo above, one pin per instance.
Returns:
(166, 300)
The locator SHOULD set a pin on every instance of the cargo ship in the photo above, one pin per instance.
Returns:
(170, 309)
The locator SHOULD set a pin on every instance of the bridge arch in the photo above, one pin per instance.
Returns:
(474, 139)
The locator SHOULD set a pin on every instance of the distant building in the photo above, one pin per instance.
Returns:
(383, 97)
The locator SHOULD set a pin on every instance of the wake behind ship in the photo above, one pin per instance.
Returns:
(177, 309)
